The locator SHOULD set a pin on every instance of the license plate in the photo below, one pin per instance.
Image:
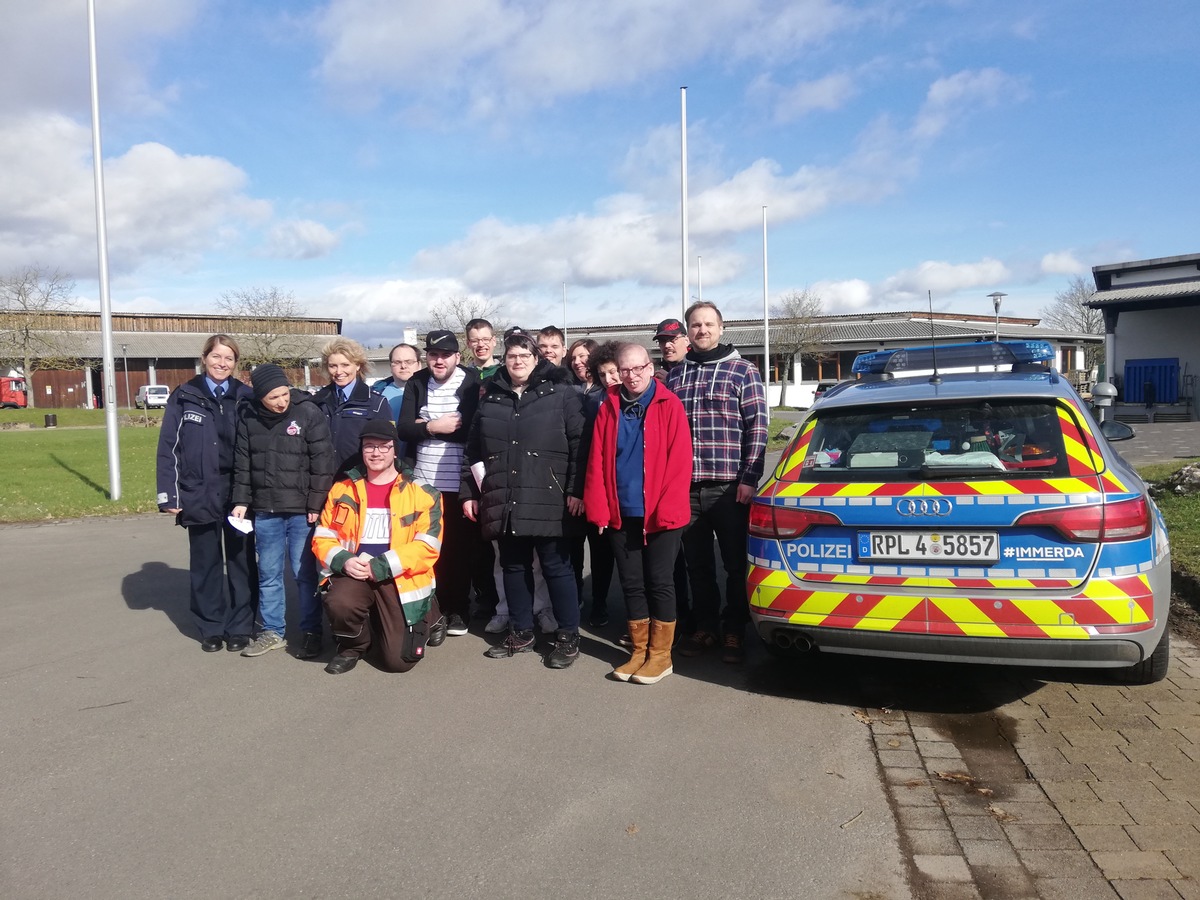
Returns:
(929, 546)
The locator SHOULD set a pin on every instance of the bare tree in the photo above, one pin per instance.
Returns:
(266, 323)
(797, 331)
(1070, 312)
(32, 334)
(453, 314)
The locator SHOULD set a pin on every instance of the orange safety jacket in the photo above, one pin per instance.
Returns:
(416, 537)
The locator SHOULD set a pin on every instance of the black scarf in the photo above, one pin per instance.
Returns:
(704, 356)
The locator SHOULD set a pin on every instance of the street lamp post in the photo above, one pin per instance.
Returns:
(997, 296)
(125, 357)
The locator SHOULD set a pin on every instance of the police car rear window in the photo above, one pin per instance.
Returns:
(979, 440)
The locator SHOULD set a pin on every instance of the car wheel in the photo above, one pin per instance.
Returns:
(1153, 668)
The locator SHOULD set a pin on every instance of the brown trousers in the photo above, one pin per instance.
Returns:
(368, 621)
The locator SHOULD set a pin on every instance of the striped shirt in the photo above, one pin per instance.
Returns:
(439, 462)
(727, 409)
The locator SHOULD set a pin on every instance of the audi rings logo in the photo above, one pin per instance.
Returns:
(908, 507)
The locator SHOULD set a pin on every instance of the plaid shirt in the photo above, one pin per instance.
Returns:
(727, 408)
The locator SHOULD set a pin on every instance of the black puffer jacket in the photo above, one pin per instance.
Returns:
(283, 463)
(529, 444)
(195, 450)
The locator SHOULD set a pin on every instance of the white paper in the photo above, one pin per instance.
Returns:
(478, 471)
(245, 526)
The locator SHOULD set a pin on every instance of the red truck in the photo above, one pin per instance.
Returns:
(12, 393)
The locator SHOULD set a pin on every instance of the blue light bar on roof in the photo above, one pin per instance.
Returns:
(954, 356)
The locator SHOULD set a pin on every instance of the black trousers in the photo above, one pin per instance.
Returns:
(646, 567)
(454, 566)
(221, 557)
(602, 566)
(717, 514)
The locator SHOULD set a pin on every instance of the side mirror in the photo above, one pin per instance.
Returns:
(1116, 431)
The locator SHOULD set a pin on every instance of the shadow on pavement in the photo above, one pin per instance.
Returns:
(158, 586)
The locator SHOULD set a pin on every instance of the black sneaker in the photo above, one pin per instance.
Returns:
(310, 646)
(599, 617)
(515, 642)
(566, 649)
(456, 627)
(437, 633)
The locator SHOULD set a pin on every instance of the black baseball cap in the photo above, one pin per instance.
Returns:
(669, 328)
(441, 340)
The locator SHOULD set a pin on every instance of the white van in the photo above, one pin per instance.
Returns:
(151, 395)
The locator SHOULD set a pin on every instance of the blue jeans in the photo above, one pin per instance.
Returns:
(283, 538)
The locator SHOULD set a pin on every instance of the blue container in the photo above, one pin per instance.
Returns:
(1162, 373)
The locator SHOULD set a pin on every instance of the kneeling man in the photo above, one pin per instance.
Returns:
(379, 536)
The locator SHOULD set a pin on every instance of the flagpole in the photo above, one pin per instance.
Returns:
(766, 316)
(108, 386)
(683, 195)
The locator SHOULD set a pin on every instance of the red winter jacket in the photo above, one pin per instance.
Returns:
(667, 464)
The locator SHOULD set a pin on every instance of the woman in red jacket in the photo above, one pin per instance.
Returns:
(638, 477)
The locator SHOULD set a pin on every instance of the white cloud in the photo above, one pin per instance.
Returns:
(299, 239)
(501, 54)
(942, 278)
(825, 94)
(1062, 263)
(849, 296)
(161, 206)
(44, 50)
(953, 98)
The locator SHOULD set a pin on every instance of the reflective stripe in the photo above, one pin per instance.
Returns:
(430, 540)
(393, 561)
(322, 531)
(415, 596)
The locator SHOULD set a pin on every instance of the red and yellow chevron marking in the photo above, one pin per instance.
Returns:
(985, 584)
(1120, 601)
(1055, 486)
(791, 465)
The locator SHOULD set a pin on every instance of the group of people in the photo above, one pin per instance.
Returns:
(396, 503)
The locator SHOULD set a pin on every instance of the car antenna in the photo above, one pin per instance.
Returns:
(935, 378)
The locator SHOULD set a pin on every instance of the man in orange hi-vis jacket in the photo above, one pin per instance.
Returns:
(379, 536)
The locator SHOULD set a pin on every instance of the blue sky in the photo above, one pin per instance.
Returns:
(374, 157)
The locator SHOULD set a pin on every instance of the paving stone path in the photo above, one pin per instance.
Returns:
(1059, 790)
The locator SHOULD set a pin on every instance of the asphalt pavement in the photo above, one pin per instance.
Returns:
(136, 766)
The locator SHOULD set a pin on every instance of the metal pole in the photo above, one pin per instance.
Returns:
(683, 195)
(109, 388)
(125, 357)
(564, 311)
(699, 277)
(766, 317)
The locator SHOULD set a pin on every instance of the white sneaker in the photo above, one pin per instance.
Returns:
(497, 625)
(547, 622)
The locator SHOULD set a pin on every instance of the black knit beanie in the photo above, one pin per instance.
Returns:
(266, 378)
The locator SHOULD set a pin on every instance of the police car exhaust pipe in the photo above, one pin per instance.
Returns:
(791, 640)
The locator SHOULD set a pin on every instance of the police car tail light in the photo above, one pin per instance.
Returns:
(1125, 520)
(783, 522)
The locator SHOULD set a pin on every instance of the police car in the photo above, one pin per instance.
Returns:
(961, 503)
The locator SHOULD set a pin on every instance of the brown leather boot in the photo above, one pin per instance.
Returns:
(658, 660)
(639, 635)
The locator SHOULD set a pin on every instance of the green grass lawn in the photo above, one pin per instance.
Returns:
(69, 418)
(63, 473)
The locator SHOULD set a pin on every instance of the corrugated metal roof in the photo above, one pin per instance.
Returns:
(1148, 292)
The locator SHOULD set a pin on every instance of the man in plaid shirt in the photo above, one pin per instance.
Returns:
(727, 410)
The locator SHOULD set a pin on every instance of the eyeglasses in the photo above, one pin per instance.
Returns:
(517, 357)
(477, 341)
(406, 363)
(634, 370)
(377, 448)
